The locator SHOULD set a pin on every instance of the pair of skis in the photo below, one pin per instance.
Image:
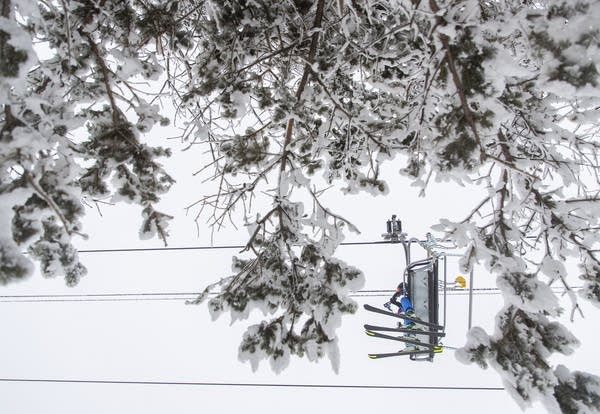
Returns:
(425, 348)
(401, 353)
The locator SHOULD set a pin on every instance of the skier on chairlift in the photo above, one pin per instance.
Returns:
(404, 305)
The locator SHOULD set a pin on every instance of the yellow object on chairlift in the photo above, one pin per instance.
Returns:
(460, 281)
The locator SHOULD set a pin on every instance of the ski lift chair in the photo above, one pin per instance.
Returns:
(422, 286)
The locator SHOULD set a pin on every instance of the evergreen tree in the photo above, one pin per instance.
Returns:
(47, 170)
(290, 96)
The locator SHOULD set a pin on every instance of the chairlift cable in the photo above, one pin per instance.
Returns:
(247, 384)
(218, 247)
(176, 296)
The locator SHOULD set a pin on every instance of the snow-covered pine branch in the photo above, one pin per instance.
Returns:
(48, 167)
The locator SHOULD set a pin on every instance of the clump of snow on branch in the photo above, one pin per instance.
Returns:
(576, 392)
(522, 343)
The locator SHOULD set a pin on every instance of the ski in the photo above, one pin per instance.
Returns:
(416, 331)
(402, 316)
(404, 339)
(401, 353)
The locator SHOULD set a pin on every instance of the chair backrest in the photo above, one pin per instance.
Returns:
(422, 281)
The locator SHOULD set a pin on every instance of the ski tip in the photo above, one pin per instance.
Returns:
(372, 356)
(370, 333)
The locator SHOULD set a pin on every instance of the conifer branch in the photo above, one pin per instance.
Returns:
(305, 74)
(49, 201)
(5, 10)
(68, 28)
(456, 79)
(105, 77)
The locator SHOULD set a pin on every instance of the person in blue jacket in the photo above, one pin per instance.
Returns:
(404, 305)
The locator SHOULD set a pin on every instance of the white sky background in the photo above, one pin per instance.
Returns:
(170, 341)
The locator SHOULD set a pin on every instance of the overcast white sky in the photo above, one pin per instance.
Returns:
(173, 342)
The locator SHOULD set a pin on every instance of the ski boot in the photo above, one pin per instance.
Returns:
(412, 348)
(408, 324)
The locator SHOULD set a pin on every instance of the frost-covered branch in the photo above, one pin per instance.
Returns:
(45, 175)
(456, 79)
